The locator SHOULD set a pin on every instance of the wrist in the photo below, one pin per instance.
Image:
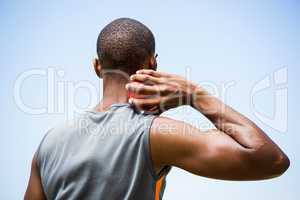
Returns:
(194, 92)
(197, 93)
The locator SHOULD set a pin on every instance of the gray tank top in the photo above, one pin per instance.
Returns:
(101, 155)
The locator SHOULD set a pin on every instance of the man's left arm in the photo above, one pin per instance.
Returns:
(34, 189)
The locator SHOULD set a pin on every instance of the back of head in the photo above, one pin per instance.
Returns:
(125, 44)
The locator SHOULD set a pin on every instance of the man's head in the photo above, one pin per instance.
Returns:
(126, 45)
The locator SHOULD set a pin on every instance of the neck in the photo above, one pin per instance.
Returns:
(113, 92)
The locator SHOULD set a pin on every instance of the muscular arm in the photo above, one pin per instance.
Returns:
(34, 189)
(236, 150)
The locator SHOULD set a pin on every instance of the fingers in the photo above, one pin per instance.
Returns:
(152, 73)
(145, 78)
(154, 110)
(142, 89)
(145, 104)
(155, 89)
(152, 106)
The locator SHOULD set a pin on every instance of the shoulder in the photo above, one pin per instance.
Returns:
(162, 126)
(60, 131)
(171, 140)
(54, 138)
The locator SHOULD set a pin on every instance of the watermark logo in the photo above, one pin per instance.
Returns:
(61, 94)
(277, 83)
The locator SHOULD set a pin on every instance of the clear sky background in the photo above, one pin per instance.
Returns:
(215, 42)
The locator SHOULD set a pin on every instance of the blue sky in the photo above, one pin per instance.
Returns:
(217, 43)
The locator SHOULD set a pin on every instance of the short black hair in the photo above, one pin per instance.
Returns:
(125, 44)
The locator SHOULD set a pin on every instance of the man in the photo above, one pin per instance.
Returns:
(122, 153)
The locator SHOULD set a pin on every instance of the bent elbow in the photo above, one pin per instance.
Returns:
(268, 165)
(280, 165)
(275, 167)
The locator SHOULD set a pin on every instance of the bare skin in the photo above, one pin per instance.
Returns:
(236, 150)
(34, 189)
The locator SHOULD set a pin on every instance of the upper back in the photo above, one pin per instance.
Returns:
(99, 155)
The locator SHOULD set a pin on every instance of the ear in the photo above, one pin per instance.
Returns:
(152, 63)
(97, 67)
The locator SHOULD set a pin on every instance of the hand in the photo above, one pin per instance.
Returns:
(156, 92)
